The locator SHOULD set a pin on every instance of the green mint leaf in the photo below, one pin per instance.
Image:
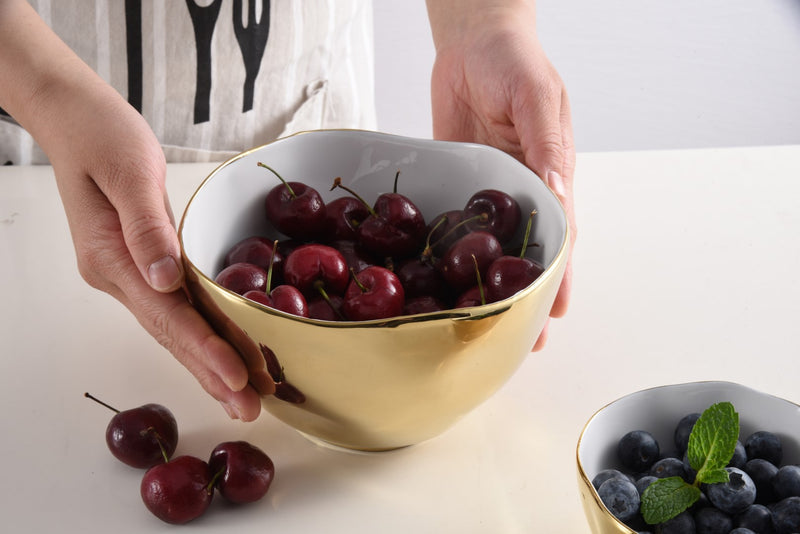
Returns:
(715, 476)
(713, 440)
(667, 497)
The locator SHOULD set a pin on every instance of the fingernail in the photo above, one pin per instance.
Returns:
(556, 183)
(230, 410)
(164, 274)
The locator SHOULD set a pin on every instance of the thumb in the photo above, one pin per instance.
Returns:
(148, 226)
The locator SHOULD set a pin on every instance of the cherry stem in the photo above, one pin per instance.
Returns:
(396, 176)
(337, 182)
(160, 446)
(361, 286)
(213, 481)
(319, 285)
(289, 187)
(271, 263)
(480, 283)
(524, 247)
(481, 217)
(98, 401)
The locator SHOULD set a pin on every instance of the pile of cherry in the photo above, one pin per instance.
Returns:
(352, 261)
(179, 489)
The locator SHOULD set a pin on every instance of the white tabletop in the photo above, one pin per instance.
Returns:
(686, 269)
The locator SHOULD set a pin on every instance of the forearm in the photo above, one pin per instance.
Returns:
(41, 74)
(454, 19)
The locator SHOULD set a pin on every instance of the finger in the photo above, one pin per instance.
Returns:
(542, 340)
(138, 193)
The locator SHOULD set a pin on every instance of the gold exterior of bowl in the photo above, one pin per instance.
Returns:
(379, 385)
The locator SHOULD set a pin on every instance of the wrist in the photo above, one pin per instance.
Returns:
(454, 22)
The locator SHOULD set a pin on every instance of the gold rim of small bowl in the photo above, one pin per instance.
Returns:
(470, 313)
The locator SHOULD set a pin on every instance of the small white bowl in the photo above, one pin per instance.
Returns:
(658, 410)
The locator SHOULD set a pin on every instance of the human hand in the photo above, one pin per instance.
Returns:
(493, 84)
(110, 172)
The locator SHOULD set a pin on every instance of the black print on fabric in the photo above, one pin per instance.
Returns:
(203, 19)
(252, 42)
(133, 44)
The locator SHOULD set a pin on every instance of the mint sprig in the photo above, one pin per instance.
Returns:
(712, 443)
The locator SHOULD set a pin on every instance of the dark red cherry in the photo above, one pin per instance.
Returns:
(313, 267)
(295, 209)
(325, 309)
(141, 437)
(444, 230)
(343, 216)
(356, 257)
(242, 472)
(423, 304)
(258, 251)
(179, 490)
(473, 296)
(509, 274)
(457, 265)
(242, 277)
(285, 298)
(419, 277)
(502, 211)
(374, 293)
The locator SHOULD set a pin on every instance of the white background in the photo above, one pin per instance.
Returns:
(640, 74)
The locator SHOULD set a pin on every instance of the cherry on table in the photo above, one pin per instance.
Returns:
(294, 208)
(178, 490)
(503, 213)
(141, 437)
(374, 293)
(242, 472)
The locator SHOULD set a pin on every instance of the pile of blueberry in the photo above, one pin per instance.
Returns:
(761, 497)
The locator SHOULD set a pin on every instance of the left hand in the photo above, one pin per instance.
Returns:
(493, 84)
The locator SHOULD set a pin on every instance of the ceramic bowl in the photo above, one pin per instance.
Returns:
(658, 410)
(380, 384)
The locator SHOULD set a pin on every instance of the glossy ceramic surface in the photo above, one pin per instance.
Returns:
(380, 384)
(657, 411)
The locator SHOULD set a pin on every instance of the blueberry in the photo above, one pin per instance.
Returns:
(682, 523)
(786, 516)
(682, 431)
(687, 468)
(786, 482)
(734, 496)
(605, 474)
(668, 467)
(644, 481)
(742, 530)
(762, 472)
(739, 456)
(638, 450)
(712, 521)
(757, 518)
(764, 445)
(620, 497)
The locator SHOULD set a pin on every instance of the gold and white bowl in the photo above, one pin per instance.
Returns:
(374, 385)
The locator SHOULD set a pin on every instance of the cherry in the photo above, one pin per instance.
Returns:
(419, 276)
(457, 265)
(178, 490)
(242, 472)
(326, 309)
(258, 251)
(294, 208)
(395, 225)
(137, 436)
(283, 389)
(354, 254)
(445, 229)
(423, 304)
(343, 216)
(502, 211)
(374, 293)
(242, 277)
(508, 274)
(285, 297)
(313, 267)
(476, 295)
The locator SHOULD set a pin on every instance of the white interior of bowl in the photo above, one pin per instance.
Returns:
(437, 176)
(658, 411)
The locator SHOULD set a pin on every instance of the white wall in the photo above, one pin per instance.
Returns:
(641, 74)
